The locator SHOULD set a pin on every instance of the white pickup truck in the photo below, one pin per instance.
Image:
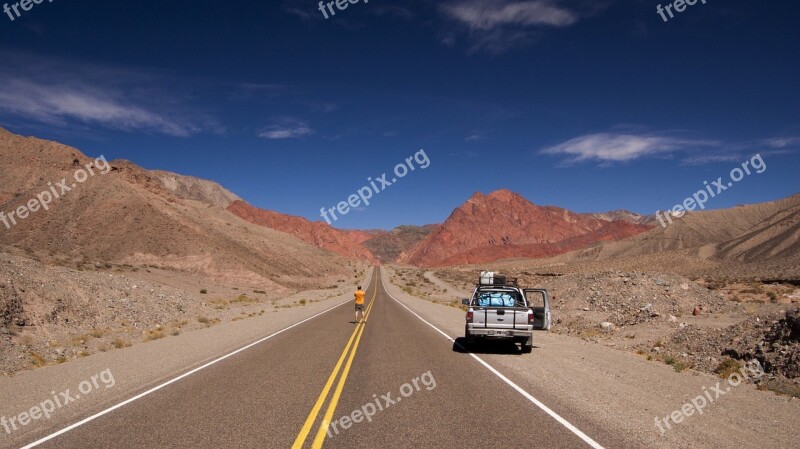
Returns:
(500, 310)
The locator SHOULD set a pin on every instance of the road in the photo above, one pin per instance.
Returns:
(418, 388)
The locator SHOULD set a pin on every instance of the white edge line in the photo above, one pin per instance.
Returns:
(176, 379)
(505, 379)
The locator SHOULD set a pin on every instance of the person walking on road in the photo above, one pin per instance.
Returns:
(359, 296)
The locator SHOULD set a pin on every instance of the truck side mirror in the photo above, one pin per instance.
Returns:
(465, 302)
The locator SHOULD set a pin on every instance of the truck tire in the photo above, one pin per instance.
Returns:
(527, 346)
(469, 340)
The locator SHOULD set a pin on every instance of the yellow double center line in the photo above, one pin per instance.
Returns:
(355, 338)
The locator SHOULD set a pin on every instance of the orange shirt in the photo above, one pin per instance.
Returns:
(360, 294)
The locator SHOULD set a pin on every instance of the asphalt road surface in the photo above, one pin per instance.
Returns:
(392, 382)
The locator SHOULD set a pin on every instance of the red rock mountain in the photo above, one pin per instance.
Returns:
(505, 225)
(317, 233)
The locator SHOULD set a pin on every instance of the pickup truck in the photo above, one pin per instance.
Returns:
(502, 311)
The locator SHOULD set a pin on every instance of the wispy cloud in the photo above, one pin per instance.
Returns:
(621, 147)
(286, 128)
(609, 148)
(782, 142)
(496, 25)
(58, 104)
(63, 94)
(473, 137)
(490, 14)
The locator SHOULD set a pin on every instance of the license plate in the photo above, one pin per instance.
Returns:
(499, 333)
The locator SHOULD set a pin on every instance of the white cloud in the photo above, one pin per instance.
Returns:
(782, 142)
(56, 104)
(57, 93)
(494, 26)
(621, 147)
(286, 128)
(608, 148)
(489, 14)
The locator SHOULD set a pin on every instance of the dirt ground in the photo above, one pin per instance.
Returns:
(52, 314)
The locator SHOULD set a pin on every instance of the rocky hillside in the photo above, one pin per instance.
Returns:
(192, 188)
(388, 246)
(624, 215)
(756, 233)
(505, 225)
(360, 236)
(124, 214)
(316, 233)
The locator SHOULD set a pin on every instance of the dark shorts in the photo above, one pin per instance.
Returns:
(359, 307)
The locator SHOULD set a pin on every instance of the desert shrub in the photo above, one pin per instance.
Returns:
(37, 360)
(154, 334)
(676, 364)
(728, 367)
(119, 343)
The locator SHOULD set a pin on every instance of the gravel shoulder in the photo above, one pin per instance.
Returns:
(135, 369)
(597, 387)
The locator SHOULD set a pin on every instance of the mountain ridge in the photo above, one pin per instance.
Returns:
(156, 204)
(503, 224)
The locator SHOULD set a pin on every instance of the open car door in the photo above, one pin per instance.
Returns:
(539, 302)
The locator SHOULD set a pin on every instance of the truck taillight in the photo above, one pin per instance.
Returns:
(469, 316)
(530, 317)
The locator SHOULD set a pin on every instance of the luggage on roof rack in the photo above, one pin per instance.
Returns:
(492, 278)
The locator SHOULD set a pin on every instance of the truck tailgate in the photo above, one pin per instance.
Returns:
(500, 318)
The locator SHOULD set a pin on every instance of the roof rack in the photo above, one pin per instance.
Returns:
(498, 280)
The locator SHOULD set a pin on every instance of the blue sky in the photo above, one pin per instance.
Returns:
(586, 105)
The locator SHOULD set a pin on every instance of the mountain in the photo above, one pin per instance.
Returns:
(388, 246)
(503, 225)
(748, 233)
(317, 233)
(624, 215)
(190, 188)
(776, 237)
(362, 236)
(125, 214)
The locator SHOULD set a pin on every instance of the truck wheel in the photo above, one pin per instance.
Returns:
(469, 340)
(527, 346)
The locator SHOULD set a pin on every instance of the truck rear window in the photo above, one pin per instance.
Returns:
(499, 299)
